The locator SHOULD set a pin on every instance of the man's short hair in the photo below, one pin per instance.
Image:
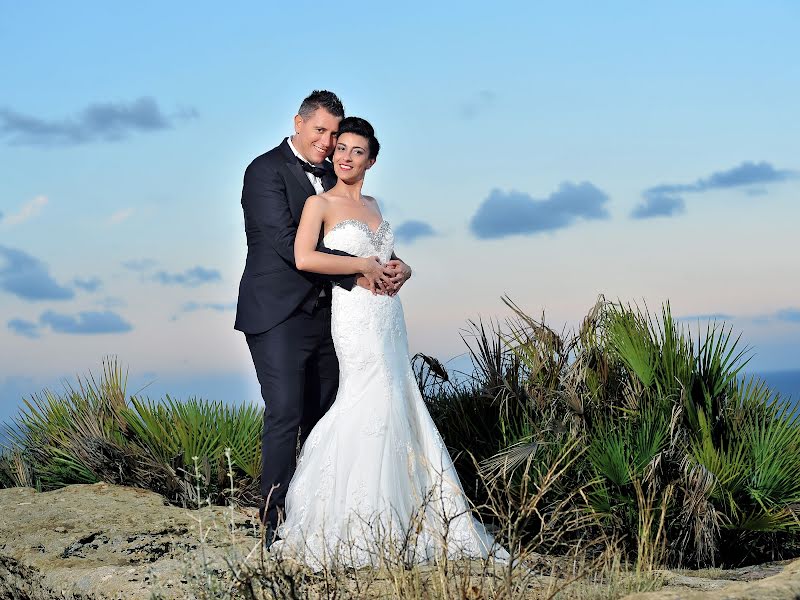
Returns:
(321, 99)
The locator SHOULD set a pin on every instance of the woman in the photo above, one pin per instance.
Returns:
(374, 475)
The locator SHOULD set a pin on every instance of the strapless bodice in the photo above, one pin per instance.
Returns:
(356, 238)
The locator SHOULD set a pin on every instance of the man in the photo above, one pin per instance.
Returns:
(285, 313)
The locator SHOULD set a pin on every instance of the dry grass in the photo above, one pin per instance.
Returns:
(589, 569)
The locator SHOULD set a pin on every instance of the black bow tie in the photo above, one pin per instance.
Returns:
(309, 168)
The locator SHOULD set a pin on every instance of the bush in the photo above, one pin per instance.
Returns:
(93, 432)
(682, 460)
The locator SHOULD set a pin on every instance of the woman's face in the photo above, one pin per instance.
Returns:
(351, 157)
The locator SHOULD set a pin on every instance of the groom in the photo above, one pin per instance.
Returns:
(285, 313)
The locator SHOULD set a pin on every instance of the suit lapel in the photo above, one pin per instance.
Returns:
(329, 179)
(296, 170)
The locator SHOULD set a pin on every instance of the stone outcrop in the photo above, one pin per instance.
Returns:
(104, 541)
(763, 582)
(93, 542)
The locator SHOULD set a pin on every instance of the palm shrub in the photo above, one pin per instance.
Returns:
(732, 454)
(94, 432)
(483, 414)
(7, 478)
(176, 432)
(508, 422)
(476, 416)
(683, 461)
(747, 463)
(61, 435)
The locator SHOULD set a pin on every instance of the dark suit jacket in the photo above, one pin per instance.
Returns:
(275, 190)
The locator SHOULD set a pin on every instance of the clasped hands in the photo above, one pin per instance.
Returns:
(383, 279)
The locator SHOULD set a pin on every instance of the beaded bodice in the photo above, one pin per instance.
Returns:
(356, 238)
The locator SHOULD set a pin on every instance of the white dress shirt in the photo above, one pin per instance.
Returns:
(315, 181)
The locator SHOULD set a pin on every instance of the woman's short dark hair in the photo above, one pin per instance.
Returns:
(321, 99)
(361, 127)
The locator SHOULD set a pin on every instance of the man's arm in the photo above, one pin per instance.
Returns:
(265, 199)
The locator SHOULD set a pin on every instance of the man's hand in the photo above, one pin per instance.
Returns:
(400, 272)
(376, 277)
(362, 281)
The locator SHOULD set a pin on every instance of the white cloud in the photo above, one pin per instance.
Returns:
(120, 216)
(27, 211)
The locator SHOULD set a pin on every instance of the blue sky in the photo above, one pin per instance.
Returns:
(645, 151)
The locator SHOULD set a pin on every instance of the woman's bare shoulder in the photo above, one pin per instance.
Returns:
(317, 201)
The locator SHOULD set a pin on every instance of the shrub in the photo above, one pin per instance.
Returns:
(682, 460)
(93, 432)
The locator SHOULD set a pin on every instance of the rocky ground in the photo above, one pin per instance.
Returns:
(106, 542)
(764, 582)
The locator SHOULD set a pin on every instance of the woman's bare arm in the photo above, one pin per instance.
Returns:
(307, 258)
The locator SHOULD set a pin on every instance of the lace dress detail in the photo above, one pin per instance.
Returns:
(374, 475)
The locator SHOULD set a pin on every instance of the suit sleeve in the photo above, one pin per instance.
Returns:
(265, 201)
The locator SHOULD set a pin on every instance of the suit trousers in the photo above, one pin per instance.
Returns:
(298, 372)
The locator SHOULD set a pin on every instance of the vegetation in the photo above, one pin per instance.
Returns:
(682, 460)
(590, 571)
(629, 438)
(94, 432)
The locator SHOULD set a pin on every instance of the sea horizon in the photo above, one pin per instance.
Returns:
(238, 389)
(786, 382)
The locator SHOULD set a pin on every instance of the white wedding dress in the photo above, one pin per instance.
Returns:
(374, 480)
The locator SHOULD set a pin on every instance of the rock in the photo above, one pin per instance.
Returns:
(93, 542)
(764, 582)
(104, 541)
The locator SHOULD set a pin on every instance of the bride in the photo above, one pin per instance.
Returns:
(374, 475)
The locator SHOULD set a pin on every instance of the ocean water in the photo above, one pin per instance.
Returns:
(787, 383)
(231, 389)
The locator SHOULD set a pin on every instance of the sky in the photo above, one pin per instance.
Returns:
(551, 152)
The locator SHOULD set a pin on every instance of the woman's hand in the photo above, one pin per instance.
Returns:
(378, 275)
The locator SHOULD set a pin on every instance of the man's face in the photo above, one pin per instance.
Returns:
(315, 135)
